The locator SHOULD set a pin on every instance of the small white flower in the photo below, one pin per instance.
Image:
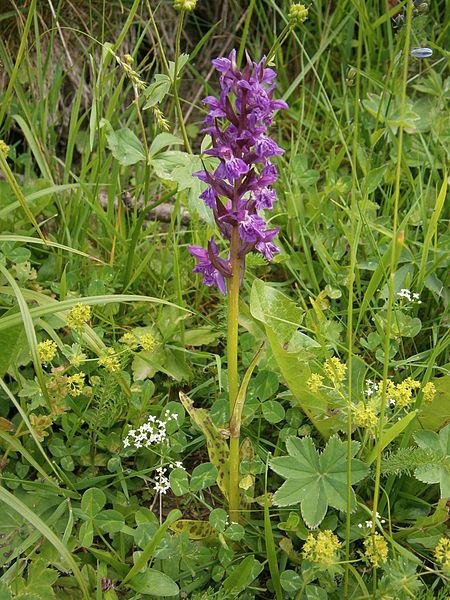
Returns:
(404, 293)
(126, 442)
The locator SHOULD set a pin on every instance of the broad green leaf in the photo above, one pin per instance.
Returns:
(125, 146)
(110, 521)
(273, 411)
(218, 519)
(179, 482)
(313, 592)
(273, 308)
(234, 532)
(157, 90)
(154, 583)
(203, 476)
(315, 480)
(265, 385)
(434, 415)
(93, 501)
(242, 575)
(291, 581)
(162, 140)
(314, 503)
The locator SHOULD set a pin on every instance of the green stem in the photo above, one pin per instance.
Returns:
(397, 242)
(278, 42)
(355, 229)
(175, 85)
(233, 378)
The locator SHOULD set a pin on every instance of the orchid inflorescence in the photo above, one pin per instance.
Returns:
(241, 185)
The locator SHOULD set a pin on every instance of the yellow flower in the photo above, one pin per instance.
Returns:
(429, 391)
(78, 316)
(129, 339)
(321, 549)
(47, 350)
(147, 341)
(376, 549)
(335, 369)
(442, 552)
(4, 149)
(298, 13)
(111, 361)
(403, 392)
(187, 5)
(75, 384)
(364, 416)
(315, 382)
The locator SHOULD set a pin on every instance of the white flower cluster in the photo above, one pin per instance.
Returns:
(161, 480)
(371, 387)
(408, 295)
(368, 523)
(152, 432)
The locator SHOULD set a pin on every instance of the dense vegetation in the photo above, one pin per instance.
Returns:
(138, 458)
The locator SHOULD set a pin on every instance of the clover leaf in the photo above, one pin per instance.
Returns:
(316, 480)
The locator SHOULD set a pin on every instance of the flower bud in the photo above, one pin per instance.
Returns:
(298, 13)
(186, 5)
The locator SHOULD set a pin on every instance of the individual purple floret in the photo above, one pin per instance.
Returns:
(240, 186)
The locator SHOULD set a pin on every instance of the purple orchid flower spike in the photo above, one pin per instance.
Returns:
(241, 185)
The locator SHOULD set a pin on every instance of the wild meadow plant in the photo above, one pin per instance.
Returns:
(328, 469)
(237, 191)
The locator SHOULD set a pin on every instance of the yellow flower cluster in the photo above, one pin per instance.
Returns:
(40, 424)
(129, 339)
(376, 549)
(147, 342)
(4, 149)
(110, 361)
(298, 13)
(187, 5)
(75, 384)
(321, 549)
(47, 350)
(335, 369)
(429, 392)
(364, 416)
(315, 382)
(442, 552)
(402, 393)
(78, 316)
